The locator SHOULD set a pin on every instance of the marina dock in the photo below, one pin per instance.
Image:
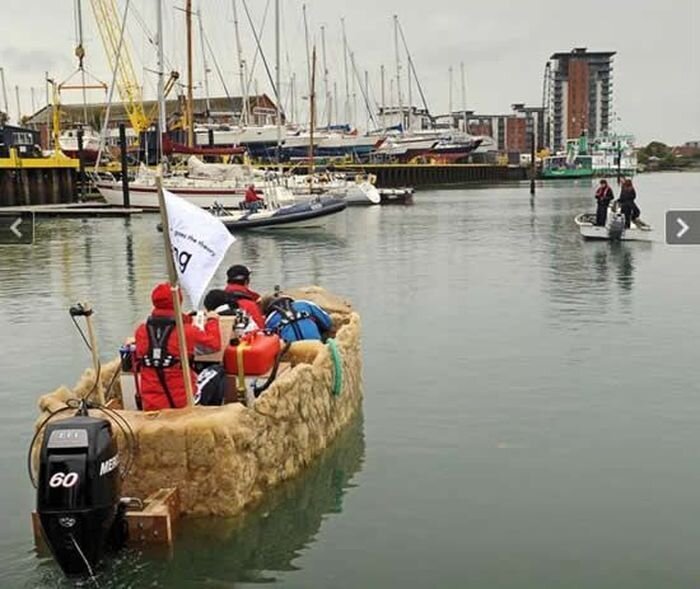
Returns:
(74, 210)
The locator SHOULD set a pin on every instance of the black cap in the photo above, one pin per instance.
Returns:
(238, 273)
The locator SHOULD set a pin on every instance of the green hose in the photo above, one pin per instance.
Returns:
(337, 367)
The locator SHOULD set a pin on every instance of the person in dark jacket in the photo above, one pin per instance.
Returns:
(162, 384)
(295, 320)
(225, 304)
(626, 199)
(238, 278)
(604, 196)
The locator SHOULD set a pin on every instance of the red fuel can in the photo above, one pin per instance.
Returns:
(254, 355)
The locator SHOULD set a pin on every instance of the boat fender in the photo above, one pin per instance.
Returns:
(337, 367)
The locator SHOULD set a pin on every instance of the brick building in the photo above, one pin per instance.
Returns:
(578, 95)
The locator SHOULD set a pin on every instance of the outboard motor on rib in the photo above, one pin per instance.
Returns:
(616, 225)
(78, 493)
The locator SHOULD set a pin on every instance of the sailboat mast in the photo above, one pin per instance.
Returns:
(241, 66)
(369, 114)
(410, 93)
(312, 114)
(190, 122)
(205, 65)
(335, 101)
(161, 82)
(4, 91)
(345, 70)
(326, 91)
(293, 92)
(383, 98)
(80, 53)
(398, 67)
(464, 96)
(449, 95)
(306, 44)
(19, 106)
(277, 81)
(354, 90)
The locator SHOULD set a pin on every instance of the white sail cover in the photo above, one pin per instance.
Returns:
(199, 242)
(196, 168)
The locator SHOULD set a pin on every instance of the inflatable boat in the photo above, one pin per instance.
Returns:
(311, 213)
(283, 406)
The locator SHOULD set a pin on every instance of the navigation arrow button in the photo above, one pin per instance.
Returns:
(684, 227)
(16, 228)
(18, 233)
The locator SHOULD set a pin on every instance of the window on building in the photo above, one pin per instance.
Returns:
(22, 139)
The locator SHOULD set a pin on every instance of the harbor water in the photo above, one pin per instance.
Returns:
(531, 400)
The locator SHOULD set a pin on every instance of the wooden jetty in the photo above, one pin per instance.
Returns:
(82, 209)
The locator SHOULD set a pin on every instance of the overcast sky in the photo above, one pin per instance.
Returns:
(504, 46)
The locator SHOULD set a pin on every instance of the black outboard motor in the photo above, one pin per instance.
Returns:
(78, 493)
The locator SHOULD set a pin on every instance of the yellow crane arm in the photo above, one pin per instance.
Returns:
(108, 23)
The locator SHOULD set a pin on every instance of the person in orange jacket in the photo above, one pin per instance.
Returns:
(162, 384)
(238, 279)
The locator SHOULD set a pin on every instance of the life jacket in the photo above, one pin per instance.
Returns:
(158, 357)
(290, 316)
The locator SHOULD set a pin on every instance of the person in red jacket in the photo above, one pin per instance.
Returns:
(238, 278)
(162, 384)
(252, 200)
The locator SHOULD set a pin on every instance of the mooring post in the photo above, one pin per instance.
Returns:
(81, 168)
(619, 163)
(125, 167)
(533, 162)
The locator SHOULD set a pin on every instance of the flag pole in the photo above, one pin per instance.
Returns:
(175, 289)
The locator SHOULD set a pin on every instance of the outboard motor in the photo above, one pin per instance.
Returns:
(78, 492)
(616, 225)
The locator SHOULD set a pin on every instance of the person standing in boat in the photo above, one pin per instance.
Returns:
(161, 382)
(238, 278)
(626, 199)
(604, 196)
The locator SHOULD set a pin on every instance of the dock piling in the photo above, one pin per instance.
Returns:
(125, 166)
(81, 168)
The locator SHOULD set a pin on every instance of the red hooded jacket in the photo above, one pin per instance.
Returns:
(249, 303)
(153, 396)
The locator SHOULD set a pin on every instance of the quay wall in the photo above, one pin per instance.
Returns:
(37, 181)
(427, 175)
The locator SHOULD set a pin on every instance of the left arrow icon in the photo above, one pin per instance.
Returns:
(14, 226)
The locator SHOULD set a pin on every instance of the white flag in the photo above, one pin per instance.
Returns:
(199, 243)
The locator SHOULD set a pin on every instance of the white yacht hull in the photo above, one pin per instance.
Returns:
(146, 197)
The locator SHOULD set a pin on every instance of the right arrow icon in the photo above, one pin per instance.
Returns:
(684, 227)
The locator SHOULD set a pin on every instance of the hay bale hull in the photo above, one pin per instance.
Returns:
(224, 458)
